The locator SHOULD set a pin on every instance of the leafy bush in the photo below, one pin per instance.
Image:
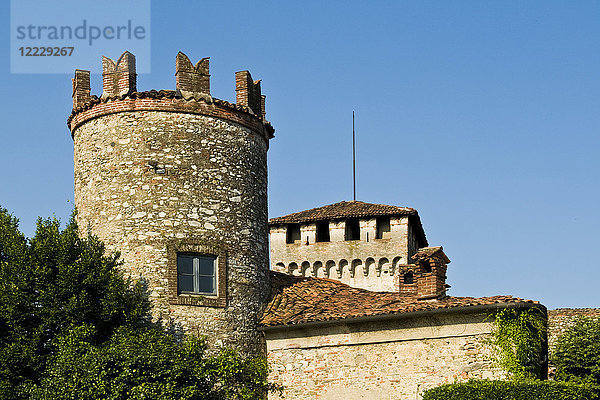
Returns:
(512, 390)
(146, 363)
(576, 355)
(72, 328)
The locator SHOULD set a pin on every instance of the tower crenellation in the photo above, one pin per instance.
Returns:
(192, 78)
(248, 92)
(176, 181)
(81, 88)
(119, 78)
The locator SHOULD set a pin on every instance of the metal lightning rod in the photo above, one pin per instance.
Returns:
(353, 157)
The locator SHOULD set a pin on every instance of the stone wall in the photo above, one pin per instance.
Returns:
(560, 319)
(397, 358)
(367, 263)
(150, 181)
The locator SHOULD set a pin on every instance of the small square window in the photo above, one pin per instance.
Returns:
(196, 274)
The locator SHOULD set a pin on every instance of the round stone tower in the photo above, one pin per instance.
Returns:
(176, 181)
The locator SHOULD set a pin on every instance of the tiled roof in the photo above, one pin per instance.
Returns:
(428, 252)
(341, 210)
(297, 300)
(354, 209)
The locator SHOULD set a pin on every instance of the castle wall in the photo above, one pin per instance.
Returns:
(151, 183)
(367, 263)
(394, 358)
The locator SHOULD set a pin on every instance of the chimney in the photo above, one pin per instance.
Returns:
(426, 278)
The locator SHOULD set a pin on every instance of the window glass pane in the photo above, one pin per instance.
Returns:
(185, 283)
(207, 266)
(206, 284)
(185, 264)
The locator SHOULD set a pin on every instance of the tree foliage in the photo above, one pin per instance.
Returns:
(576, 355)
(71, 327)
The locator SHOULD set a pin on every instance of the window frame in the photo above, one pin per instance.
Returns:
(219, 297)
(196, 274)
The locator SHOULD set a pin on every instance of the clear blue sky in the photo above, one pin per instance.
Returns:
(482, 115)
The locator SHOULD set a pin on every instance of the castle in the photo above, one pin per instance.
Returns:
(355, 305)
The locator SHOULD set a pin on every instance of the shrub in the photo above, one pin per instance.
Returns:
(576, 355)
(512, 390)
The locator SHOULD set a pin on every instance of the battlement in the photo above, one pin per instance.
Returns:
(119, 78)
(192, 78)
(191, 94)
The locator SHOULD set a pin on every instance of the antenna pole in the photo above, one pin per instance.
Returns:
(353, 157)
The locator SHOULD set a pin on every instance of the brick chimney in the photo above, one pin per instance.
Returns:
(426, 278)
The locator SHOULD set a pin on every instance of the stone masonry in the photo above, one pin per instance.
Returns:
(369, 261)
(160, 173)
(395, 358)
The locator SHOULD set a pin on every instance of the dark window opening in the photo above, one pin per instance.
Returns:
(196, 274)
(426, 265)
(352, 229)
(292, 233)
(409, 278)
(383, 228)
(323, 231)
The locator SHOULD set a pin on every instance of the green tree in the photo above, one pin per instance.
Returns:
(71, 327)
(49, 284)
(576, 355)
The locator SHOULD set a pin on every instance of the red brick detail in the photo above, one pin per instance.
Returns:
(119, 77)
(81, 88)
(192, 78)
(248, 92)
(137, 103)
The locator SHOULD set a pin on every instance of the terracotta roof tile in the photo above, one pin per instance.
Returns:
(297, 300)
(341, 210)
(428, 252)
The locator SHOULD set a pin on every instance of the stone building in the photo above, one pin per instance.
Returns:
(176, 181)
(328, 337)
(361, 244)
